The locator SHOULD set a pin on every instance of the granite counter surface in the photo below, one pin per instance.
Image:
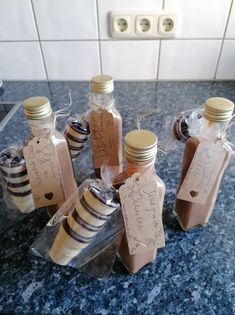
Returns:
(193, 274)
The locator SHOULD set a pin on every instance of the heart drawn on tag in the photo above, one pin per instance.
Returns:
(193, 194)
(49, 196)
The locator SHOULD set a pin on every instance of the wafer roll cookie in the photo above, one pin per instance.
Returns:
(77, 134)
(81, 226)
(19, 187)
(14, 170)
(65, 247)
(92, 198)
(23, 203)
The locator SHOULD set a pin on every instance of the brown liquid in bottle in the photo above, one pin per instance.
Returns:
(135, 262)
(118, 137)
(66, 167)
(102, 101)
(41, 120)
(189, 214)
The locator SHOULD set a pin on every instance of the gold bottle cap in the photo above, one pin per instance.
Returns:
(37, 107)
(141, 145)
(102, 84)
(218, 109)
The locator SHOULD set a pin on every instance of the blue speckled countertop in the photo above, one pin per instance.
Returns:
(193, 274)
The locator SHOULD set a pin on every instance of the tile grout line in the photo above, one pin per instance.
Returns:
(39, 41)
(159, 48)
(223, 39)
(158, 62)
(99, 41)
(106, 40)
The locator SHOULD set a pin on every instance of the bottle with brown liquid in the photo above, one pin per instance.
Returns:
(217, 113)
(41, 120)
(105, 126)
(140, 155)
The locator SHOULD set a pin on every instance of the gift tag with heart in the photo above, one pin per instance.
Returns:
(203, 171)
(44, 172)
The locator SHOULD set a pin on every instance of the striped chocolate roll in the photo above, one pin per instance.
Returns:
(181, 128)
(75, 232)
(13, 169)
(77, 133)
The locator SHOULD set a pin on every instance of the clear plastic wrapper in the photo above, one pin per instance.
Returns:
(187, 124)
(15, 182)
(105, 125)
(77, 133)
(206, 156)
(86, 235)
(47, 155)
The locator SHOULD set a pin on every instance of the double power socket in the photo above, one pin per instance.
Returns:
(160, 24)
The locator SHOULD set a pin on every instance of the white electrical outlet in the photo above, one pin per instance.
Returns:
(149, 24)
(144, 25)
(167, 25)
(121, 24)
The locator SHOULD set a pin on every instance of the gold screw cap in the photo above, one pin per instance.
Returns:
(141, 145)
(102, 84)
(37, 107)
(218, 109)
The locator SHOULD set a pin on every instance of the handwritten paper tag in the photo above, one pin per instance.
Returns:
(44, 173)
(142, 213)
(103, 138)
(203, 171)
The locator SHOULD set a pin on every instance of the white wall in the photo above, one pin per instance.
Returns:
(68, 40)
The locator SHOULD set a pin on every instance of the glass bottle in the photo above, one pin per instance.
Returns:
(102, 101)
(41, 120)
(216, 115)
(140, 156)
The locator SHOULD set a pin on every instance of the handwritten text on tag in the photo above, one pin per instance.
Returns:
(44, 173)
(142, 213)
(203, 171)
(103, 138)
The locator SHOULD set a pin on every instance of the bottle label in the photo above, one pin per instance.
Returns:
(142, 213)
(43, 172)
(203, 172)
(104, 148)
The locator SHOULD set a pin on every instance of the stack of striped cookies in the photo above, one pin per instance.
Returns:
(76, 133)
(17, 188)
(90, 213)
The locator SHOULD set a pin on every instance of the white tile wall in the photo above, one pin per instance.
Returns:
(69, 40)
(21, 60)
(17, 21)
(200, 18)
(130, 59)
(189, 59)
(231, 24)
(71, 60)
(66, 19)
(226, 68)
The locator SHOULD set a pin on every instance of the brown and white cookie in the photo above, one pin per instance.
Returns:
(13, 169)
(77, 133)
(181, 128)
(90, 213)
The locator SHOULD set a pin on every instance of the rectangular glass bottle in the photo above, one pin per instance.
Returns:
(140, 149)
(105, 126)
(41, 120)
(217, 114)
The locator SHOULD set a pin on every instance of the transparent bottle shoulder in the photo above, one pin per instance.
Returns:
(115, 112)
(55, 137)
(159, 182)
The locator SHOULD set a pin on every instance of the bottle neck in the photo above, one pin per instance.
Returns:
(212, 130)
(104, 101)
(146, 167)
(41, 127)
